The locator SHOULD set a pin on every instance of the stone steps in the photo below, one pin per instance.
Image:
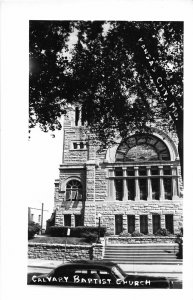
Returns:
(143, 254)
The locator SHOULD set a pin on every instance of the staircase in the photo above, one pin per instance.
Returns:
(143, 254)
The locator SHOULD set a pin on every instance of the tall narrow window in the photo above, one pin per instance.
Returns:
(156, 223)
(118, 224)
(169, 223)
(143, 188)
(67, 220)
(119, 184)
(78, 220)
(144, 224)
(119, 189)
(143, 183)
(77, 115)
(131, 223)
(131, 189)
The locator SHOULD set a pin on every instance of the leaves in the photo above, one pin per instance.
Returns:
(119, 71)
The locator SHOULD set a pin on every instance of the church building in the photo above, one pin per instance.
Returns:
(134, 185)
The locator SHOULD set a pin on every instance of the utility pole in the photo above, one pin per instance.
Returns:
(42, 217)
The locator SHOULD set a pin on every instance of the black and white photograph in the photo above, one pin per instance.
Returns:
(96, 192)
(115, 89)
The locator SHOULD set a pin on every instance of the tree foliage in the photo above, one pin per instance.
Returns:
(126, 75)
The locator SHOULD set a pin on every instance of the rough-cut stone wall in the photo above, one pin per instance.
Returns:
(137, 208)
(101, 184)
(62, 252)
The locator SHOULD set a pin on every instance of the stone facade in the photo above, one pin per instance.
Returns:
(65, 253)
(132, 191)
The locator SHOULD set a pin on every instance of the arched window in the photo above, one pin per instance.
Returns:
(74, 190)
(142, 147)
(144, 170)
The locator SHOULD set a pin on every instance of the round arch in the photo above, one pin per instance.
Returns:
(164, 143)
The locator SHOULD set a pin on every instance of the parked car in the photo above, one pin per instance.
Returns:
(97, 274)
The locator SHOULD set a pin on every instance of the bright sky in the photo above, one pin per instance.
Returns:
(45, 156)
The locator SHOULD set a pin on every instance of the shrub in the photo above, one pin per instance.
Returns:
(125, 234)
(163, 232)
(179, 240)
(136, 233)
(91, 237)
(33, 228)
(78, 231)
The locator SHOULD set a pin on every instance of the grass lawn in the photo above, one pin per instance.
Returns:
(59, 240)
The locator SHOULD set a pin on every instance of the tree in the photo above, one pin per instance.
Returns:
(126, 75)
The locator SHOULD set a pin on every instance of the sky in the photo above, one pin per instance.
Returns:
(45, 156)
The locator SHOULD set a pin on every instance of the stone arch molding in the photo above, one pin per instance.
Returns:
(111, 152)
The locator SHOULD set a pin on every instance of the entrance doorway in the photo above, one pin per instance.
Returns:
(118, 224)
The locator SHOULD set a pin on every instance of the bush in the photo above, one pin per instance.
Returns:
(136, 233)
(33, 228)
(91, 237)
(163, 232)
(125, 234)
(78, 231)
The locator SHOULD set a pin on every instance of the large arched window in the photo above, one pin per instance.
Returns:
(143, 170)
(74, 190)
(142, 147)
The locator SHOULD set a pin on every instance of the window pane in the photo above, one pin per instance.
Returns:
(131, 223)
(143, 224)
(81, 145)
(142, 171)
(131, 189)
(154, 171)
(118, 172)
(118, 224)
(67, 220)
(75, 145)
(68, 195)
(156, 223)
(78, 220)
(143, 189)
(169, 223)
(168, 188)
(155, 188)
(130, 172)
(167, 170)
(119, 189)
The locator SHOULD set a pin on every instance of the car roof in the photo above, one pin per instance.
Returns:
(90, 263)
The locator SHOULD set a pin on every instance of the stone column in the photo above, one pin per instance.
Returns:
(90, 208)
(72, 220)
(137, 223)
(124, 222)
(162, 192)
(174, 184)
(150, 226)
(149, 187)
(163, 223)
(112, 191)
(59, 218)
(125, 189)
(137, 190)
